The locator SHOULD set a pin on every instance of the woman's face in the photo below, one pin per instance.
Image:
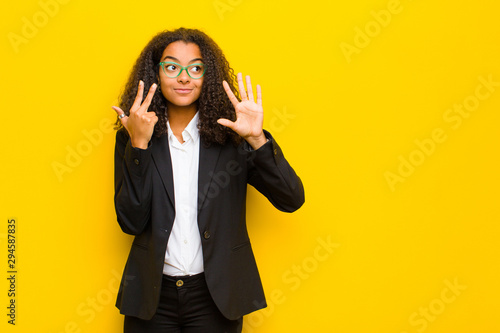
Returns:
(182, 90)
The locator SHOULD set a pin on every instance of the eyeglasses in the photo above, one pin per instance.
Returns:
(173, 69)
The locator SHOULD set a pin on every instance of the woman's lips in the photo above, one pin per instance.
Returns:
(183, 91)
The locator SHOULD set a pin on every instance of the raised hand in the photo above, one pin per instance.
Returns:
(140, 123)
(249, 114)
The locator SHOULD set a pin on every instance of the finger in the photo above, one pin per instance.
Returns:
(119, 111)
(154, 119)
(241, 87)
(138, 97)
(150, 120)
(230, 93)
(124, 118)
(149, 98)
(249, 88)
(151, 117)
(150, 114)
(259, 95)
(226, 122)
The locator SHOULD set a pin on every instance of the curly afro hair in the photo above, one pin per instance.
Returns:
(213, 102)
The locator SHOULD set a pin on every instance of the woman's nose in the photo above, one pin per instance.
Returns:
(183, 76)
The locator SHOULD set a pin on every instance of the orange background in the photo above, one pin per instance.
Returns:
(388, 111)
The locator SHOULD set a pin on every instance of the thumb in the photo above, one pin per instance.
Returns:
(121, 115)
(118, 111)
(226, 122)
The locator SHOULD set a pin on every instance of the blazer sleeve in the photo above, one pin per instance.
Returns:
(133, 185)
(271, 174)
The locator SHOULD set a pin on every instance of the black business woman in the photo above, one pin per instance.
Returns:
(184, 156)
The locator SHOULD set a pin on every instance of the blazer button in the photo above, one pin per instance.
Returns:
(206, 235)
(136, 161)
(275, 151)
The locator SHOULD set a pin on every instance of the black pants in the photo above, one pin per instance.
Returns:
(185, 307)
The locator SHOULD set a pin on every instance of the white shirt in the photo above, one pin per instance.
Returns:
(184, 254)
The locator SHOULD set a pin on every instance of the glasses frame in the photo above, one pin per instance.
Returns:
(161, 64)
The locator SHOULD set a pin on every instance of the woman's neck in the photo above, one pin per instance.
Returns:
(179, 117)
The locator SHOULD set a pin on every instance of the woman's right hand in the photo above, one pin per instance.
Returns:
(139, 123)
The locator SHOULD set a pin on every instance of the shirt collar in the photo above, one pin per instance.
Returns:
(191, 130)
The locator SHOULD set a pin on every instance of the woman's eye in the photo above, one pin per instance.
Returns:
(196, 69)
(171, 68)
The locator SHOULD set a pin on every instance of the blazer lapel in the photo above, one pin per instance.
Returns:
(208, 161)
(163, 162)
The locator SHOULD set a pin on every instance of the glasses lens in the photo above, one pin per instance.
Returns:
(172, 70)
(196, 71)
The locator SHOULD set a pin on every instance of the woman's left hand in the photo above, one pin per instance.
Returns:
(249, 114)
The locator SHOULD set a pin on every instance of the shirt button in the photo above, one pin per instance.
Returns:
(206, 235)
(136, 161)
(185, 241)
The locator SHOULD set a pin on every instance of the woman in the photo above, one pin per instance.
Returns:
(183, 157)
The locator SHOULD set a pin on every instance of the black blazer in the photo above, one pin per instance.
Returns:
(144, 203)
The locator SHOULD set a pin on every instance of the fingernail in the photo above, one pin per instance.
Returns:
(154, 85)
